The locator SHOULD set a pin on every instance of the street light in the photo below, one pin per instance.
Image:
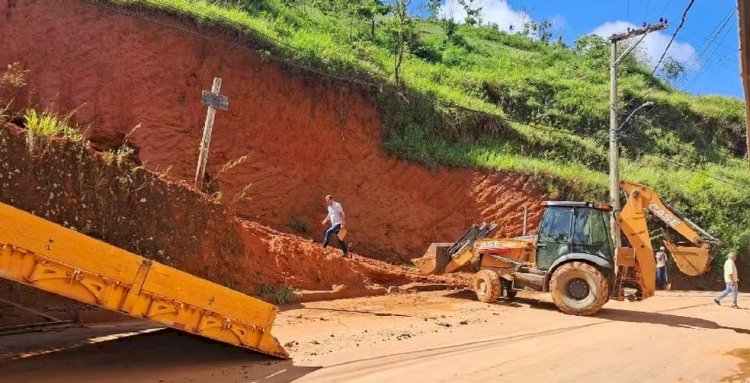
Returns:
(645, 104)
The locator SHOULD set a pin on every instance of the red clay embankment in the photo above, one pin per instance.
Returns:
(305, 137)
(132, 208)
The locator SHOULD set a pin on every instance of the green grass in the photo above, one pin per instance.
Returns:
(282, 294)
(49, 125)
(483, 98)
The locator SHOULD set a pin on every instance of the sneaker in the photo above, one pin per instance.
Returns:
(735, 306)
(717, 301)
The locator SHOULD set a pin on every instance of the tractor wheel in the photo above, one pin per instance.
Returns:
(487, 286)
(578, 288)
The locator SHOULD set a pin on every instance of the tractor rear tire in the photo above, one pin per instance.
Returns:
(578, 288)
(487, 286)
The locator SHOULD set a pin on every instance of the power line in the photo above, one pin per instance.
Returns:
(705, 47)
(708, 64)
(710, 40)
(682, 21)
(694, 170)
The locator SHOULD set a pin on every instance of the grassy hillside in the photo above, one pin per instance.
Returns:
(475, 96)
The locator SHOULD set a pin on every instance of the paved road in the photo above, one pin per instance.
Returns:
(434, 337)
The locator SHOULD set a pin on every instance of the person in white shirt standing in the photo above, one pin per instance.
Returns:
(661, 268)
(730, 278)
(337, 218)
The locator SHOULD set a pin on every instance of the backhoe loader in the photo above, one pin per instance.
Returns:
(572, 254)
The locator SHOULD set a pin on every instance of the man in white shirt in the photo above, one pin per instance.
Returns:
(730, 278)
(661, 268)
(337, 218)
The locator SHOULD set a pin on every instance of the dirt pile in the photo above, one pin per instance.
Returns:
(304, 137)
(302, 263)
(130, 207)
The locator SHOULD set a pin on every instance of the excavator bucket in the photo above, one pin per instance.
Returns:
(50, 257)
(692, 261)
(441, 258)
(434, 259)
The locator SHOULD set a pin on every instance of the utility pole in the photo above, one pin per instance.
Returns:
(214, 101)
(743, 10)
(614, 154)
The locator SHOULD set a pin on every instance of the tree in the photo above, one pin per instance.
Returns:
(672, 69)
(529, 28)
(434, 7)
(544, 30)
(595, 48)
(450, 28)
(402, 28)
(473, 15)
(369, 10)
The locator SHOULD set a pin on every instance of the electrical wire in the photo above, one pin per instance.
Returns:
(682, 22)
(694, 170)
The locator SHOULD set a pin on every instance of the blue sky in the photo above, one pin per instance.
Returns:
(709, 51)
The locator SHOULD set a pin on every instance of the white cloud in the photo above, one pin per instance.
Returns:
(493, 11)
(558, 23)
(653, 45)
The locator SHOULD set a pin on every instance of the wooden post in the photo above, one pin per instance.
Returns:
(214, 101)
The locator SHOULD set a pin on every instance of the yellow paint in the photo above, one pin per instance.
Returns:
(47, 256)
(693, 260)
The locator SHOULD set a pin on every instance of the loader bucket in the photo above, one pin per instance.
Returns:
(440, 255)
(434, 259)
(692, 261)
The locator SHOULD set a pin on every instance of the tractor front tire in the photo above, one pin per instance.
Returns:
(578, 288)
(487, 286)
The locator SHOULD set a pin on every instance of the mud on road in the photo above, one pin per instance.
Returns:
(433, 337)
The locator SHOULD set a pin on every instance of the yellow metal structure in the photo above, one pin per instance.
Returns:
(692, 260)
(47, 256)
(515, 249)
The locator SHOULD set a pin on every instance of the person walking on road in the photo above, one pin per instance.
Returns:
(337, 218)
(730, 278)
(661, 268)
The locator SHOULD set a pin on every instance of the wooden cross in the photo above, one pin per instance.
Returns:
(213, 100)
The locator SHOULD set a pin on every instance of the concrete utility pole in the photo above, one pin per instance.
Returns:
(214, 101)
(614, 155)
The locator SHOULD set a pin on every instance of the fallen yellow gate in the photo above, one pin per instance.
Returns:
(47, 256)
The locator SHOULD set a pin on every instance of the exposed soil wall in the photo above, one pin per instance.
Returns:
(132, 208)
(304, 137)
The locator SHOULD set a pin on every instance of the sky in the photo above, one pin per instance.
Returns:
(707, 44)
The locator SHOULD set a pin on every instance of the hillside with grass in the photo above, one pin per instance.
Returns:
(465, 95)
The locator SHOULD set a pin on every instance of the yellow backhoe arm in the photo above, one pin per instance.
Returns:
(692, 260)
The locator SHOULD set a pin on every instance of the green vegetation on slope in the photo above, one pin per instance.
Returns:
(475, 96)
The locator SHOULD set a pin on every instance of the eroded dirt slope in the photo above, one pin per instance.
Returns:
(132, 208)
(304, 137)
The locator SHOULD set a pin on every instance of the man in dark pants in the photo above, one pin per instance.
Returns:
(661, 268)
(337, 219)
